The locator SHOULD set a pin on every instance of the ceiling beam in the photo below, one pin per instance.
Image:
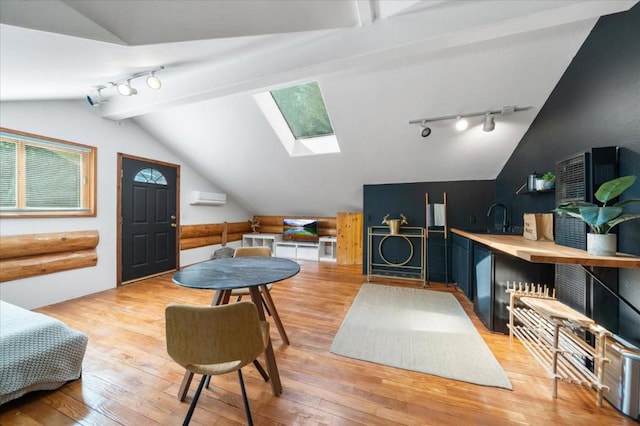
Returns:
(404, 36)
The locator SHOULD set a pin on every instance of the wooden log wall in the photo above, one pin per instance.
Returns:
(23, 256)
(192, 236)
(273, 224)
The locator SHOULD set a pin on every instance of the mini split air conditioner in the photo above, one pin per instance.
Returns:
(201, 198)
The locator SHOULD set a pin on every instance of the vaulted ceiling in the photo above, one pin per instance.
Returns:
(380, 64)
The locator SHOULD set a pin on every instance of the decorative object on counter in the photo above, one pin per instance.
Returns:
(394, 224)
(255, 224)
(546, 181)
(602, 219)
(538, 226)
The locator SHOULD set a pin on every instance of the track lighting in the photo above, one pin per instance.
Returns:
(426, 131)
(123, 85)
(97, 100)
(154, 82)
(461, 124)
(488, 124)
(125, 89)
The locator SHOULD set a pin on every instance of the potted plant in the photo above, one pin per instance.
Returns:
(548, 180)
(602, 219)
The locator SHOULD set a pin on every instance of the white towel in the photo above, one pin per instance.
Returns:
(439, 215)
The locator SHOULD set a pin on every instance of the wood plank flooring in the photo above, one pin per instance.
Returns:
(128, 379)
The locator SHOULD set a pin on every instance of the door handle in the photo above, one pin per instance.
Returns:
(173, 225)
(173, 217)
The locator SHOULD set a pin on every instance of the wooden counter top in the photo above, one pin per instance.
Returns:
(548, 252)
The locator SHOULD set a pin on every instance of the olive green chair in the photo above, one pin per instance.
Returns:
(214, 340)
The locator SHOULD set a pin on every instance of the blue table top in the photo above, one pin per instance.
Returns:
(236, 272)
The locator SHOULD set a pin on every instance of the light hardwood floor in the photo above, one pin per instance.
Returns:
(128, 379)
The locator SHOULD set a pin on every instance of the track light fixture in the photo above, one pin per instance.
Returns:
(488, 124)
(154, 82)
(124, 87)
(97, 100)
(461, 124)
(426, 131)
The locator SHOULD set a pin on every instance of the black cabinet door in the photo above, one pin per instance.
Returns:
(492, 270)
(511, 269)
(461, 265)
(483, 284)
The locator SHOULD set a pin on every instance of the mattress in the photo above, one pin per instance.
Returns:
(37, 352)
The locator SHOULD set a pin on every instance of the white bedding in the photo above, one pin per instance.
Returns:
(37, 352)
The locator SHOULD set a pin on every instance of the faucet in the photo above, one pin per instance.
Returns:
(505, 221)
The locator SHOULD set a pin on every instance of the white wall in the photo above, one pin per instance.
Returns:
(76, 121)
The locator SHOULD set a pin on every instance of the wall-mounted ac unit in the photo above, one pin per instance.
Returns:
(201, 198)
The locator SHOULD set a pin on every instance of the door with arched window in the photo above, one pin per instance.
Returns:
(148, 218)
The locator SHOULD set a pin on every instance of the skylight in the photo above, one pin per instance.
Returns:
(299, 117)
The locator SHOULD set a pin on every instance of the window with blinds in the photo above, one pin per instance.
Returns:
(45, 177)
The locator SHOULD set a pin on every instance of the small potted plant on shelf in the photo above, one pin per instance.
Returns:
(546, 181)
(602, 219)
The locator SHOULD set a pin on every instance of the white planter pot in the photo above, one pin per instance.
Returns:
(602, 244)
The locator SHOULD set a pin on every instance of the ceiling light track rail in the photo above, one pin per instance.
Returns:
(461, 123)
(123, 85)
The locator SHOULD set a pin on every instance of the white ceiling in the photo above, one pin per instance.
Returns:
(380, 63)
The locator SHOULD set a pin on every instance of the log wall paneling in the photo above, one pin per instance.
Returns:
(236, 229)
(23, 256)
(192, 236)
(349, 237)
(273, 224)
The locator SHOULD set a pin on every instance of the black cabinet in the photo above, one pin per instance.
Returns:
(491, 271)
(461, 264)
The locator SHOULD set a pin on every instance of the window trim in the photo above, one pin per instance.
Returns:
(90, 210)
(295, 147)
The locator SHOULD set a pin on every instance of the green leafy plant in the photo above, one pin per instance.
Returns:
(549, 177)
(601, 219)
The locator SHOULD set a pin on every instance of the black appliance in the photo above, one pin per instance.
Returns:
(492, 270)
(577, 179)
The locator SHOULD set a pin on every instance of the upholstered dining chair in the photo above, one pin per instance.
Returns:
(214, 340)
(267, 301)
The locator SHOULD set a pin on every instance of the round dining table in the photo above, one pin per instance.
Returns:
(226, 274)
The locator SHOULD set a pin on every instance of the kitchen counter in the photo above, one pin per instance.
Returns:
(548, 252)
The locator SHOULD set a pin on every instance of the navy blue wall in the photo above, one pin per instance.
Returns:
(467, 202)
(595, 103)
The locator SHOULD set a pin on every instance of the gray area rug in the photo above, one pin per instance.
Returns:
(418, 330)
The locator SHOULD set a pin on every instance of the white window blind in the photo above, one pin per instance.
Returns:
(39, 175)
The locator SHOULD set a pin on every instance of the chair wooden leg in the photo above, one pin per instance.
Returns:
(245, 399)
(184, 386)
(192, 407)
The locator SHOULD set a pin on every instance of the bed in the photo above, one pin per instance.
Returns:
(37, 352)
